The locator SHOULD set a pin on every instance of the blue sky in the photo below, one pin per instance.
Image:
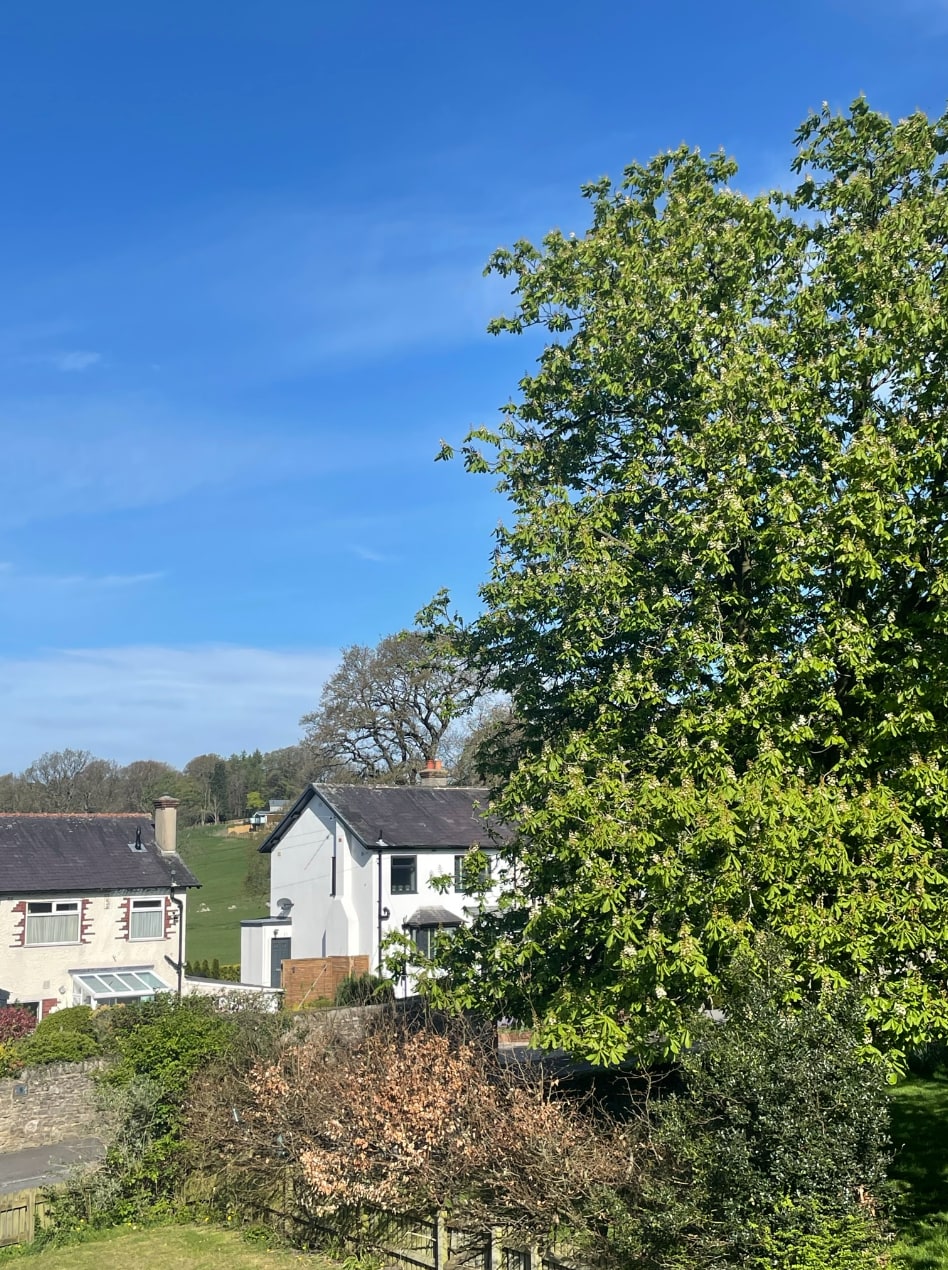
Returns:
(241, 247)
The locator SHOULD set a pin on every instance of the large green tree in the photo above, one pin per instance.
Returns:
(719, 607)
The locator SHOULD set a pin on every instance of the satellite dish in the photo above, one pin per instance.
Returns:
(284, 906)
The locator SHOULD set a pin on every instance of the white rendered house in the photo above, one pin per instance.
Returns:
(92, 907)
(349, 864)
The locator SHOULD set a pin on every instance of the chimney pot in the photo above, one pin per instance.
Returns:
(433, 775)
(166, 824)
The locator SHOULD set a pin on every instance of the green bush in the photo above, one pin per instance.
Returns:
(166, 1040)
(65, 1036)
(775, 1144)
(10, 1062)
(808, 1240)
(925, 1060)
(364, 989)
(74, 1018)
(55, 1047)
(157, 1046)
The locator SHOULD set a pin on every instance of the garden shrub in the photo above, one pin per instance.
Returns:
(407, 1121)
(156, 1047)
(927, 1059)
(775, 1142)
(56, 1047)
(65, 1036)
(364, 989)
(16, 1021)
(10, 1062)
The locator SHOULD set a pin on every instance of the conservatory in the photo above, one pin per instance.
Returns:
(109, 987)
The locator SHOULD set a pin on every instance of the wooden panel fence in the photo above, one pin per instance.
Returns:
(307, 979)
(435, 1243)
(20, 1214)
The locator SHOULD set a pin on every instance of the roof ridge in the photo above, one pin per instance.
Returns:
(79, 815)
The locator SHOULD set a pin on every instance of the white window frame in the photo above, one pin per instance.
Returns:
(57, 908)
(146, 904)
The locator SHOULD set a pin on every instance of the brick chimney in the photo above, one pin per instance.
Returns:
(433, 775)
(166, 824)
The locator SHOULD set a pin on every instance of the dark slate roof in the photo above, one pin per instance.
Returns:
(403, 815)
(433, 915)
(46, 854)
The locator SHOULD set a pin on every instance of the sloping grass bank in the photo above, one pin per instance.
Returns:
(217, 909)
(920, 1172)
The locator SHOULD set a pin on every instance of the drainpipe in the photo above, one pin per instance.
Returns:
(383, 912)
(179, 904)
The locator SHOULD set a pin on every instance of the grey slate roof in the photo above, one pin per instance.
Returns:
(433, 915)
(49, 854)
(403, 815)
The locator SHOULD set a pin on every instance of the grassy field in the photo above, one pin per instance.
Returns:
(217, 909)
(920, 1135)
(171, 1248)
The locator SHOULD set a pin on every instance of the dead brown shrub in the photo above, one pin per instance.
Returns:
(410, 1121)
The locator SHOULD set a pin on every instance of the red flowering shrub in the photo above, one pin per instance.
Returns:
(16, 1021)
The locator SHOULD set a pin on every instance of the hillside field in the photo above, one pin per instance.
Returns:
(217, 909)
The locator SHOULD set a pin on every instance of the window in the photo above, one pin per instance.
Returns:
(404, 875)
(463, 877)
(147, 919)
(423, 937)
(52, 922)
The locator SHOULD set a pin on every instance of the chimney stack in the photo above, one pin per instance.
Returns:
(433, 775)
(166, 824)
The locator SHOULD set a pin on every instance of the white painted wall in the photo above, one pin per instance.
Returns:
(41, 972)
(346, 924)
(256, 937)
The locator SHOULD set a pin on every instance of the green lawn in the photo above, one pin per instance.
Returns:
(171, 1248)
(220, 864)
(920, 1171)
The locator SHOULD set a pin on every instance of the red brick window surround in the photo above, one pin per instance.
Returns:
(19, 928)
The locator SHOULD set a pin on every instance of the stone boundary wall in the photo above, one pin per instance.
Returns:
(50, 1104)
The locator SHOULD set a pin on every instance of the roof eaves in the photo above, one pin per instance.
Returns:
(290, 818)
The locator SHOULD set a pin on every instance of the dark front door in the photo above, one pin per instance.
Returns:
(279, 952)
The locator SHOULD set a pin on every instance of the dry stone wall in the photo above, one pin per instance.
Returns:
(50, 1104)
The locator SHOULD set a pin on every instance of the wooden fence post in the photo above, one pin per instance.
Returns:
(494, 1247)
(440, 1241)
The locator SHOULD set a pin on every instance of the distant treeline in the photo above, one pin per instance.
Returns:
(210, 787)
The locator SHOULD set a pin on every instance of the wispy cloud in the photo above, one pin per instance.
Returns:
(156, 702)
(68, 457)
(11, 579)
(77, 361)
(274, 291)
(366, 553)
